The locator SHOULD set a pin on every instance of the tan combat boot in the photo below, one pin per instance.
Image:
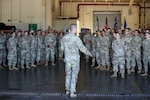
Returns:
(4, 64)
(93, 64)
(139, 71)
(145, 74)
(122, 75)
(108, 68)
(22, 66)
(33, 65)
(98, 67)
(53, 64)
(114, 75)
(27, 66)
(73, 95)
(15, 68)
(132, 70)
(9, 67)
(128, 71)
(46, 64)
(104, 68)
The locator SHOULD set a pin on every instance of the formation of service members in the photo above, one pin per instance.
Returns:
(117, 50)
(26, 50)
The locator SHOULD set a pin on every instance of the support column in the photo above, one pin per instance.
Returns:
(0, 10)
(57, 7)
(44, 15)
(49, 13)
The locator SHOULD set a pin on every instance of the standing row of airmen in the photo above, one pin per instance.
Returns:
(123, 50)
(28, 48)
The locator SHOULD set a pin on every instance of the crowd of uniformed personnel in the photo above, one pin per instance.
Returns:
(117, 50)
(27, 49)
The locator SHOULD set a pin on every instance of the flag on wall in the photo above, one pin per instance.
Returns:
(125, 23)
(106, 23)
(97, 24)
(115, 23)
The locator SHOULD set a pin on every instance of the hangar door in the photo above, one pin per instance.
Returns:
(102, 19)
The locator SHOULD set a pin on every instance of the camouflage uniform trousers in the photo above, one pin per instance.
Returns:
(93, 55)
(32, 55)
(38, 55)
(72, 69)
(50, 53)
(128, 59)
(43, 54)
(25, 57)
(98, 57)
(146, 61)
(136, 58)
(18, 55)
(12, 58)
(1, 55)
(61, 53)
(118, 62)
(4, 55)
(105, 61)
(89, 48)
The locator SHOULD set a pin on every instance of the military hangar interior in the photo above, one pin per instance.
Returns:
(48, 82)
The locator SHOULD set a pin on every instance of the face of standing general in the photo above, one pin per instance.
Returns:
(73, 28)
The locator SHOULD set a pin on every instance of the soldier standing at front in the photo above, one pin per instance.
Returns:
(12, 52)
(39, 47)
(19, 40)
(127, 38)
(50, 43)
(104, 51)
(25, 50)
(136, 52)
(71, 44)
(118, 59)
(33, 48)
(146, 53)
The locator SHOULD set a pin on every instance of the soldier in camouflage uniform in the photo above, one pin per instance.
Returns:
(136, 52)
(71, 44)
(1, 49)
(127, 38)
(43, 53)
(4, 35)
(12, 52)
(50, 43)
(19, 40)
(98, 47)
(118, 56)
(59, 46)
(93, 49)
(104, 51)
(39, 47)
(25, 50)
(87, 39)
(146, 53)
(33, 48)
